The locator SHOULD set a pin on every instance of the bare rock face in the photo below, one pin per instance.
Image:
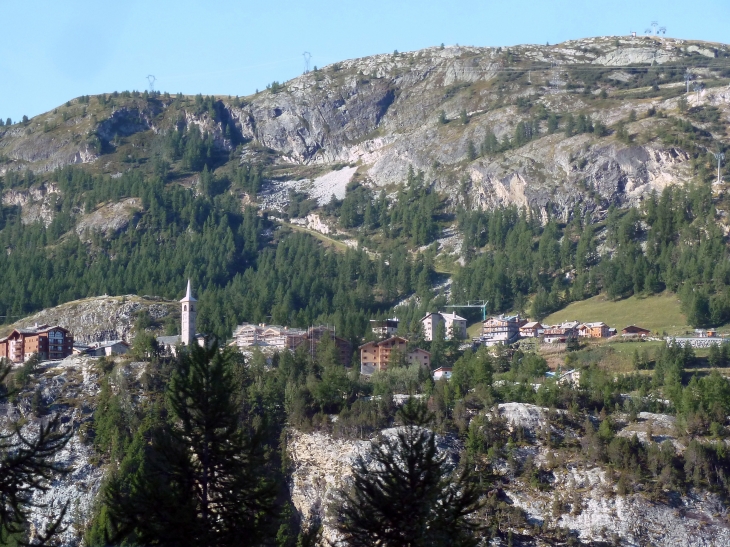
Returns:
(37, 203)
(322, 465)
(383, 115)
(111, 218)
(124, 122)
(100, 318)
(586, 495)
(70, 387)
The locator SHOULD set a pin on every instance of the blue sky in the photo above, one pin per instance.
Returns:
(54, 51)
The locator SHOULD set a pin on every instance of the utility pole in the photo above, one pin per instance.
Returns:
(697, 86)
(307, 56)
(719, 156)
(151, 79)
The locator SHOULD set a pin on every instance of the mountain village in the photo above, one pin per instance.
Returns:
(54, 342)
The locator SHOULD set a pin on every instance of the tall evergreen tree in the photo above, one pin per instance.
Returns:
(203, 479)
(405, 495)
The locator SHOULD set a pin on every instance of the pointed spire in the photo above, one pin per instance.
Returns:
(188, 294)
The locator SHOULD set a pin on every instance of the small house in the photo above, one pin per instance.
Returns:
(107, 349)
(594, 330)
(635, 332)
(442, 372)
(533, 329)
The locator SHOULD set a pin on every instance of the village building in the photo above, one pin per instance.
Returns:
(442, 372)
(501, 329)
(632, 331)
(107, 348)
(375, 356)
(430, 324)
(561, 333)
(188, 336)
(49, 342)
(697, 342)
(80, 349)
(316, 334)
(594, 330)
(262, 335)
(384, 328)
(533, 329)
(454, 325)
(276, 337)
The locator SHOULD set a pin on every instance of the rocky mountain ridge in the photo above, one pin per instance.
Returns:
(430, 110)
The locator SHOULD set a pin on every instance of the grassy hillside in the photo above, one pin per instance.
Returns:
(657, 313)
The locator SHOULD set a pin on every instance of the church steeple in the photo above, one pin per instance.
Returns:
(188, 315)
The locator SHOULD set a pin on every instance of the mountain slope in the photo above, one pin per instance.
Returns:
(382, 113)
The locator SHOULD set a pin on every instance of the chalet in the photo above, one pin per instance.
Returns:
(314, 336)
(107, 349)
(384, 328)
(375, 356)
(594, 330)
(533, 329)
(634, 331)
(49, 342)
(247, 335)
(561, 333)
(442, 372)
(283, 337)
(501, 329)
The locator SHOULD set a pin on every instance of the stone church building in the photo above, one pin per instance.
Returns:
(188, 336)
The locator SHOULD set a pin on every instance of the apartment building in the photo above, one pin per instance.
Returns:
(49, 342)
(375, 356)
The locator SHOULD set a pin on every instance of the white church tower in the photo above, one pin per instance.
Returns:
(189, 312)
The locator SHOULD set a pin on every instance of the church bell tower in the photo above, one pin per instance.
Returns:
(189, 311)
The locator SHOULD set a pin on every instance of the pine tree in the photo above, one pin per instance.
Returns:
(27, 466)
(203, 479)
(407, 496)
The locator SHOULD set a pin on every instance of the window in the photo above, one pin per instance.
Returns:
(185, 308)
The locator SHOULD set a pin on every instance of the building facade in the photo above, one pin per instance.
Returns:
(561, 333)
(430, 324)
(189, 315)
(49, 342)
(375, 356)
(384, 328)
(633, 330)
(594, 330)
(187, 336)
(533, 329)
(454, 325)
(108, 348)
(248, 335)
(502, 329)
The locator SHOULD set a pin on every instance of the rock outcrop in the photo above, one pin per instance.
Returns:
(110, 218)
(100, 318)
(586, 495)
(428, 110)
